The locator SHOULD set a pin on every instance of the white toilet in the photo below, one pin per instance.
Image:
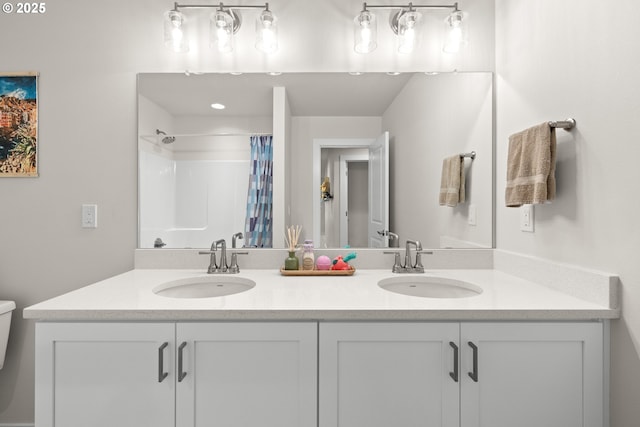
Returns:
(6, 307)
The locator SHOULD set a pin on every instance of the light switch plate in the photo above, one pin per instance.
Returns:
(526, 218)
(89, 216)
(471, 219)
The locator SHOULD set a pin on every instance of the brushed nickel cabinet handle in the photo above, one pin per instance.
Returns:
(454, 374)
(181, 373)
(161, 373)
(474, 373)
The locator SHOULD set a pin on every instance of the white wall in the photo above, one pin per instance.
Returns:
(88, 54)
(579, 58)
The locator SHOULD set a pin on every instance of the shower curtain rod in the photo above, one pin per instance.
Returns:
(154, 138)
(219, 134)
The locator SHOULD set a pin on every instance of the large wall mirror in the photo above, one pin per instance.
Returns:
(348, 151)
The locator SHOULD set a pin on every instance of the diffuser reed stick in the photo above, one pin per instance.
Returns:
(292, 237)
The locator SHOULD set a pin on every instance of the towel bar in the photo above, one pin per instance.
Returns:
(472, 155)
(563, 124)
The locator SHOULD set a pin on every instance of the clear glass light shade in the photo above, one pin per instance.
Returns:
(267, 32)
(455, 32)
(221, 31)
(409, 31)
(365, 32)
(175, 31)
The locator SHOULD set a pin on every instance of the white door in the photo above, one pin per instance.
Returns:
(104, 375)
(388, 374)
(532, 375)
(379, 192)
(247, 374)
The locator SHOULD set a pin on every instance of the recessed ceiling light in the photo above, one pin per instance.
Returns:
(217, 106)
(393, 73)
(355, 73)
(235, 73)
(274, 73)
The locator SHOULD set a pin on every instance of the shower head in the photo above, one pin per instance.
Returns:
(166, 139)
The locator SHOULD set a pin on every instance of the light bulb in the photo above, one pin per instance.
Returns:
(365, 30)
(408, 28)
(267, 32)
(221, 31)
(174, 31)
(455, 35)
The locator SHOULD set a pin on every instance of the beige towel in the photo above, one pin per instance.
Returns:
(452, 181)
(531, 165)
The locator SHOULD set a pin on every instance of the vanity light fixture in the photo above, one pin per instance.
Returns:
(406, 22)
(224, 23)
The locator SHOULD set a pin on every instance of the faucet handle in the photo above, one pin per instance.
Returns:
(419, 267)
(397, 267)
(213, 266)
(234, 268)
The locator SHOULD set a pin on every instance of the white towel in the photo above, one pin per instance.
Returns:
(452, 181)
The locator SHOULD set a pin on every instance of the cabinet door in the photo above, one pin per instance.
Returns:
(247, 374)
(532, 375)
(388, 374)
(104, 375)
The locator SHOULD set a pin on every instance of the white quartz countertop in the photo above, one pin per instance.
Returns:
(129, 296)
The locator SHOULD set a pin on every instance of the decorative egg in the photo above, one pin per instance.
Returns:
(323, 262)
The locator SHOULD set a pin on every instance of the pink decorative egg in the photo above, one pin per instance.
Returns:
(323, 262)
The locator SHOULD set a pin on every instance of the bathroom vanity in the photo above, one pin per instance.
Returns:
(319, 351)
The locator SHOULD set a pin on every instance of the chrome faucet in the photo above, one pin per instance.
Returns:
(409, 266)
(223, 267)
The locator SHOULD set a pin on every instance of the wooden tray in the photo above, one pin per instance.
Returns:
(317, 272)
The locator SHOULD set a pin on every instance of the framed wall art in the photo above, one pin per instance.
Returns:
(18, 124)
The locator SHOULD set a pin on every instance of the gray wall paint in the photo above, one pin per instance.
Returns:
(556, 59)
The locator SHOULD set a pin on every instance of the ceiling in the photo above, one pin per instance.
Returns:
(251, 94)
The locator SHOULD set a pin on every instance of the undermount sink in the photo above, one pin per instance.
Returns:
(204, 287)
(430, 287)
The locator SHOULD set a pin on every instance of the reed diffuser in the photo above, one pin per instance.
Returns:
(293, 234)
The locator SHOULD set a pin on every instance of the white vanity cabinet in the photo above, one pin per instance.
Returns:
(176, 374)
(326, 374)
(532, 374)
(509, 374)
(247, 374)
(104, 374)
(388, 374)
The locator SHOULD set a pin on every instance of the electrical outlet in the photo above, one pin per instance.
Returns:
(471, 216)
(526, 218)
(89, 216)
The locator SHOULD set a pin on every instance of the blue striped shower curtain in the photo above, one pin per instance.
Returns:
(258, 230)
